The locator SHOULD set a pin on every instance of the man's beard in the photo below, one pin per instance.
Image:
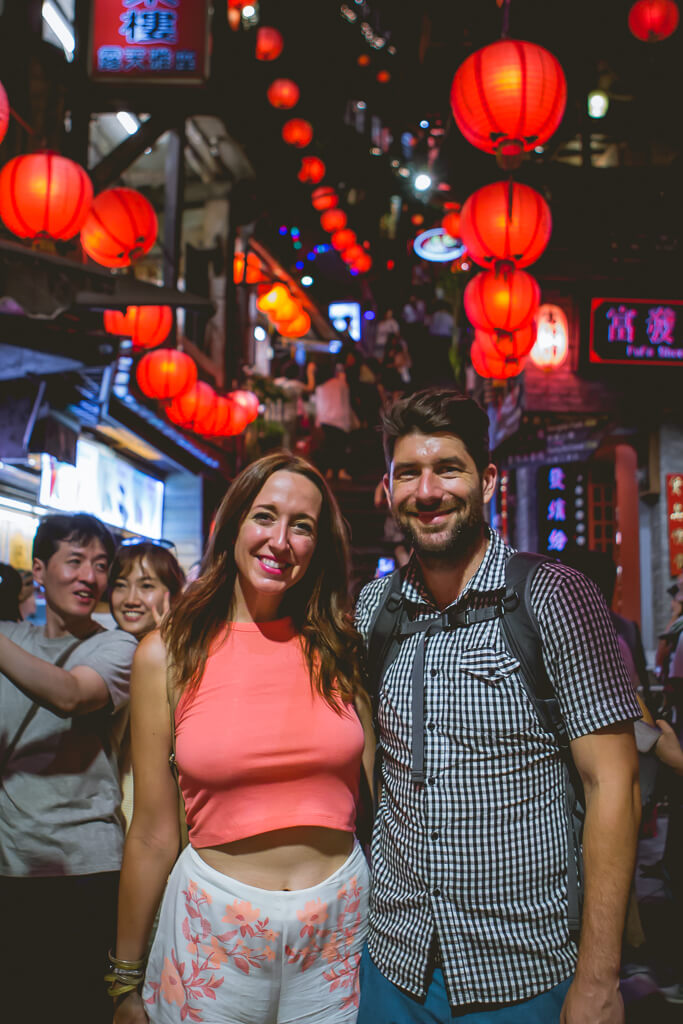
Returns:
(452, 543)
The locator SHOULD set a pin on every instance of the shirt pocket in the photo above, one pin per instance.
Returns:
(491, 702)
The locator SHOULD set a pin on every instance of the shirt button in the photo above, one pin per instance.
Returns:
(435, 834)
(434, 671)
(431, 780)
(431, 726)
(436, 892)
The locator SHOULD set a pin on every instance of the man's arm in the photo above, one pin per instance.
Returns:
(74, 691)
(608, 764)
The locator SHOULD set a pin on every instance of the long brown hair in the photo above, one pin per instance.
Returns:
(318, 604)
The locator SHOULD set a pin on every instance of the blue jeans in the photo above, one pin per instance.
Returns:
(381, 1002)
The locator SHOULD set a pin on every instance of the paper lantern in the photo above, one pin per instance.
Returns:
(297, 132)
(248, 400)
(239, 417)
(249, 270)
(495, 368)
(278, 304)
(312, 170)
(283, 94)
(383, 77)
(502, 300)
(343, 239)
(4, 112)
(362, 263)
(194, 408)
(297, 327)
(552, 338)
(505, 221)
(269, 43)
(363, 60)
(512, 344)
(166, 373)
(324, 198)
(44, 195)
(353, 253)
(508, 98)
(120, 227)
(451, 223)
(653, 20)
(146, 326)
(333, 220)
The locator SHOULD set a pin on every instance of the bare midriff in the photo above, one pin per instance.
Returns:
(285, 859)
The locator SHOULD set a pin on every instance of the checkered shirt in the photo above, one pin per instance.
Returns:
(477, 857)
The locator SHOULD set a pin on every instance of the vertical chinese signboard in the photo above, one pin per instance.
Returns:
(164, 41)
(636, 332)
(674, 517)
(562, 509)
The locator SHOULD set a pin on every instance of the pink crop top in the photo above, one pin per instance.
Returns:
(257, 748)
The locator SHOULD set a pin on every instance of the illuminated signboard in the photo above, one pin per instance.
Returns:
(436, 246)
(636, 332)
(163, 41)
(562, 518)
(674, 509)
(345, 316)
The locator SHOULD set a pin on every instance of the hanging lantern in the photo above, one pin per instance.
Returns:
(383, 77)
(501, 300)
(552, 338)
(166, 373)
(451, 223)
(508, 98)
(312, 170)
(194, 408)
(363, 60)
(297, 327)
(653, 20)
(362, 263)
(146, 326)
(283, 94)
(353, 253)
(239, 416)
(248, 400)
(269, 43)
(120, 227)
(324, 198)
(4, 112)
(495, 368)
(505, 221)
(341, 240)
(297, 132)
(333, 220)
(249, 270)
(278, 304)
(44, 195)
(511, 344)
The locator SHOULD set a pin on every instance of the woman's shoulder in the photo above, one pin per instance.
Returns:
(151, 651)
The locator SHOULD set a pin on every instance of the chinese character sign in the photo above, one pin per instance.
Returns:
(636, 332)
(562, 508)
(674, 505)
(149, 40)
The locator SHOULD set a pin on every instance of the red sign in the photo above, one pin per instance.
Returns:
(636, 332)
(163, 41)
(674, 507)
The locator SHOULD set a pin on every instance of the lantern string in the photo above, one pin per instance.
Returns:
(505, 25)
(20, 120)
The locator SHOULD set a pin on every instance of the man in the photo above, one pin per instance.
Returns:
(61, 834)
(469, 913)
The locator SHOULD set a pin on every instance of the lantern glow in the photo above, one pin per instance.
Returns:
(120, 227)
(44, 195)
(283, 94)
(166, 373)
(505, 221)
(297, 132)
(653, 20)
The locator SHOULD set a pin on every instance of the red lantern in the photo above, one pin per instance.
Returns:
(451, 223)
(352, 254)
(166, 373)
(312, 170)
(120, 227)
(297, 132)
(278, 304)
(239, 416)
(283, 94)
(4, 112)
(343, 239)
(269, 43)
(248, 271)
(194, 408)
(509, 97)
(510, 345)
(248, 400)
(362, 263)
(324, 198)
(496, 368)
(653, 20)
(146, 326)
(296, 328)
(502, 300)
(44, 195)
(333, 220)
(383, 77)
(363, 60)
(505, 221)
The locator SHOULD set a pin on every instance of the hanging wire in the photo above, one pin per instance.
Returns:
(505, 22)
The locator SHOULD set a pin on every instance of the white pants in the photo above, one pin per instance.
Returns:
(229, 953)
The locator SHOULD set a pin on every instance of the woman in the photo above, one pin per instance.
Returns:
(263, 918)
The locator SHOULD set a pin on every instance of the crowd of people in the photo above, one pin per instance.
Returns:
(331, 815)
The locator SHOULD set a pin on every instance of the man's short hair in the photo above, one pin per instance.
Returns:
(80, 528)
(439, 411)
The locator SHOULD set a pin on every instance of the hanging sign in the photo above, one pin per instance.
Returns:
(164, 41)
(636, 332)
(436, 246)
(562, 519)
(674, 521)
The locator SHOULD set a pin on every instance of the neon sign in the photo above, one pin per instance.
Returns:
(630, 332)
(436, 246)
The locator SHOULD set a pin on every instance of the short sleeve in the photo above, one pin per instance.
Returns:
(581, 652)
(367, 604)
(110, 654)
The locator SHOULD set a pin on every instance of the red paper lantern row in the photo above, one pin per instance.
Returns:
(511, 345)
(362, 263)
(297, 132)
(248, 401)
(269, 43)
(146, 326)
(4, 112)
(505, 221)
(237, 417)
(283, 94)
(312, 170)
(333, 220)
(509, 97)
(324, 198)
(120, 227)
(353, 254)
(297, 327)
(44, 195)
(249, 270)
(502, 300)
(383, 77)
(343, 239)
(653, 20)
(166, 373)
(194, 408)
(495, 367)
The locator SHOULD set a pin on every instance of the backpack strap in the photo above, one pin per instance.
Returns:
(382, 645)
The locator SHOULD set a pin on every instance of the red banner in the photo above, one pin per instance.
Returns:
(163, 41)
(674, 507)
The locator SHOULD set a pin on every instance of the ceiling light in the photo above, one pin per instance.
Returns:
(422, 182)
(260, 333)
(127, 121)
(61, 28)
(598, 103)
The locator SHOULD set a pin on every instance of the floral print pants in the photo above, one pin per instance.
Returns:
(229, 953)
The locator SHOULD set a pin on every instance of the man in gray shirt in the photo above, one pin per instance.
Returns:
(61, 836)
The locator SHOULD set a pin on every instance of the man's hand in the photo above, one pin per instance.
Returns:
(593, 1004)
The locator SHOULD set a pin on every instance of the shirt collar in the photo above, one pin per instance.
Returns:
(489, 576)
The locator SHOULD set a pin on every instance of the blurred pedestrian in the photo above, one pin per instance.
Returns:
(10, 593)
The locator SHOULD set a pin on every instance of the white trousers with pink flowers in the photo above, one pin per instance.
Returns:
(229, 953)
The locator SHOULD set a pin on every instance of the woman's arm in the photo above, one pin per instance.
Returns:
(364, 711)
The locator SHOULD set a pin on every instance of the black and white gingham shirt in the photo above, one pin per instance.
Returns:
(477, 857)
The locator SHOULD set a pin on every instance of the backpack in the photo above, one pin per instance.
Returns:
(521, 633)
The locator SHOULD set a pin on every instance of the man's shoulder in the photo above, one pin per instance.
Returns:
(368, 602)
(20, 632)
(111, 640)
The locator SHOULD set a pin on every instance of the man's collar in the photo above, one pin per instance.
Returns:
(489, 576)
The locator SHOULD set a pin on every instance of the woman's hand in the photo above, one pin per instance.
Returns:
(165, 608)
(131, 1010)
